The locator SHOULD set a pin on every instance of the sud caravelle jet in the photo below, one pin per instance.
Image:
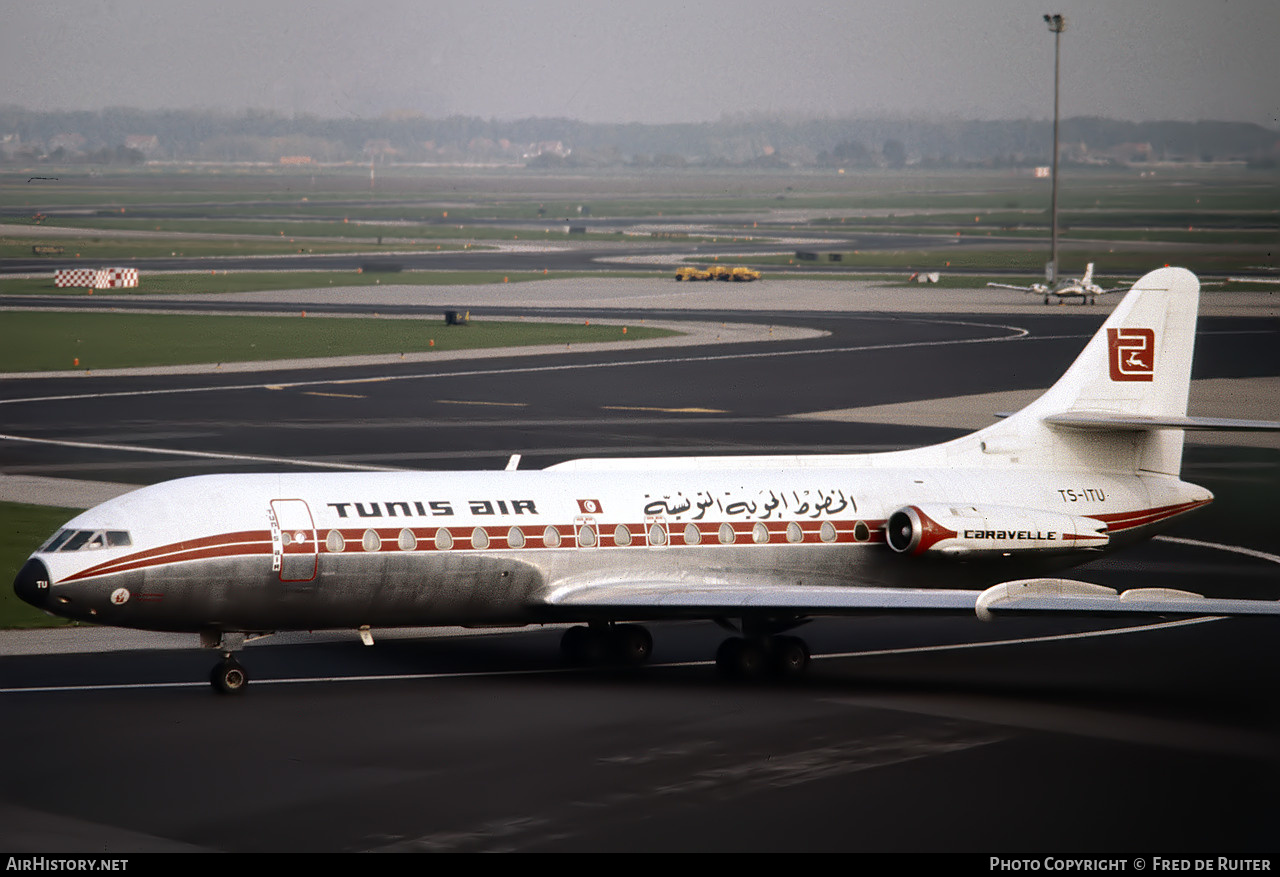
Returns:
(975, 525)
(1082, 288)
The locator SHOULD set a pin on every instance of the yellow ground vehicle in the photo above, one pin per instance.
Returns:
(718, 272)
(692, 274)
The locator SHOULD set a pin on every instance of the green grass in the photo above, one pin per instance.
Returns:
(113, 248)
(1116, 260)
(49, 341)
(258, 281)
(418, 231)
(23, 529)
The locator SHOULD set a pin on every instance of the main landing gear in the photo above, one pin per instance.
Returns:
(757, 656)
(759, 653)
(619, 645)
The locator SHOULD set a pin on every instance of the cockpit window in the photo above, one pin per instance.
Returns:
(56, 540)
(87, 540)
(77, 540)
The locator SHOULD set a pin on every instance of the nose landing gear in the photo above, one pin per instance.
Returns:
(228, 677)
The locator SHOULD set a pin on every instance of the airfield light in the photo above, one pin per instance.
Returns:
(1057, 24)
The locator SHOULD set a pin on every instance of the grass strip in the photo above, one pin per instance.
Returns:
(58, 340)
(262, 281)
(23, 528)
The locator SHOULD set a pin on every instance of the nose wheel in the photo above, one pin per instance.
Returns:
(228, 677)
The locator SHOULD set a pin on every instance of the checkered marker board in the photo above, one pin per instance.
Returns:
(96, 278)
(76, 277)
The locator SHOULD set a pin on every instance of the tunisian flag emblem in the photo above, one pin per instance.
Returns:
(589, 506)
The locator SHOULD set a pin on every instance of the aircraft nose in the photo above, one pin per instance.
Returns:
(32, 583)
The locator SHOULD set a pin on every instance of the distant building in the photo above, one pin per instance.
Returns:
(147, 144)
(67, 142)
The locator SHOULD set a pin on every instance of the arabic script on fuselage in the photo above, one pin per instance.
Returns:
(761, 505)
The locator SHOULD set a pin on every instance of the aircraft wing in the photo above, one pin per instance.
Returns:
(726, 598)
(1025, 596)
(1007, 286)
(1082, 598)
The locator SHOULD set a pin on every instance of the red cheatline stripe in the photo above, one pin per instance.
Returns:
(258, 542)
(227, 544)
(215, 551)
(1142, 517)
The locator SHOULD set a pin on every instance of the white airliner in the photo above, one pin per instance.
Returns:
(970, 526)
(1082, 288)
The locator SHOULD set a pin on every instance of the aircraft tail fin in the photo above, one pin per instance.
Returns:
(1122, 404)
(1088, 275)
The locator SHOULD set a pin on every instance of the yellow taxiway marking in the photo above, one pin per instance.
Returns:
(664, 410)
(465, 402)
(337, 395)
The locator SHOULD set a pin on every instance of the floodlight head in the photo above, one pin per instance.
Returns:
(1057, 23)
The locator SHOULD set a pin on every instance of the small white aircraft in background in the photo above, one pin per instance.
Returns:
(972, 526)
(1082, 288)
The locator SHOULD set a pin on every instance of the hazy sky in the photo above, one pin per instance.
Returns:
(647, 61)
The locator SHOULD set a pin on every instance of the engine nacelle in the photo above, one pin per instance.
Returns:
(939, 528)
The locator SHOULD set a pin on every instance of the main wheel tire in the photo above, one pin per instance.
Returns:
(631, 645)
(790, 656)
(739, 658)
(727, 657)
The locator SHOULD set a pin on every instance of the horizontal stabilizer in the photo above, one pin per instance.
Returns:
(1108, 421)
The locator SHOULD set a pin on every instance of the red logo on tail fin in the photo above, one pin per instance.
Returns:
(1132, 354)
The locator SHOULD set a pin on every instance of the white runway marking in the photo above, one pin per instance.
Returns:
(1248, 552)
(208, 455)
(410, 677)
(1016, 333)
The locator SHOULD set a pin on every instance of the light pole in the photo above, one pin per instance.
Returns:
(1057, 24)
